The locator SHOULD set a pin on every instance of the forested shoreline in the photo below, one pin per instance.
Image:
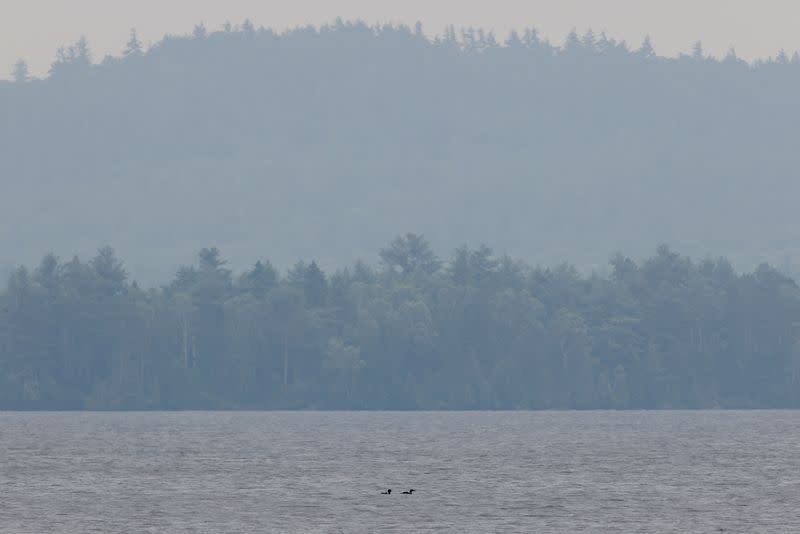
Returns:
(472, 331)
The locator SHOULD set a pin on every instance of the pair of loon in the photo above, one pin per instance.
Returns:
(389, 492)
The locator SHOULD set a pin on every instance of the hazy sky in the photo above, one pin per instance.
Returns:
(34, 29)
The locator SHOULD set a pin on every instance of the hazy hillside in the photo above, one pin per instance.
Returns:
(324, 144)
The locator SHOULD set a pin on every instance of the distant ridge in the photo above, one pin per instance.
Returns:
(324, 141)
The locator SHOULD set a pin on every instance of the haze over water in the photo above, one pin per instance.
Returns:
(322, 205)
(703, 471)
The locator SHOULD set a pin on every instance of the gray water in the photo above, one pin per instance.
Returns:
(474, 472)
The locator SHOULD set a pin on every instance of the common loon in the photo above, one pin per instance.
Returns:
(409, 492)
(387, 492)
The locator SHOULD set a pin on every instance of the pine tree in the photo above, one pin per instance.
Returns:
(730, 56)
(82, 54)
(418, 32)
(697, 51)
(646, 50)
(133, 46)
(589, 41)
(20, 73)
(315, 286)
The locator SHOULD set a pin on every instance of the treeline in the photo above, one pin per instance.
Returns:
(546, 150)
(477, 331)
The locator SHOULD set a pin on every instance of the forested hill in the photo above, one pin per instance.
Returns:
(324, 142)
(475, 331)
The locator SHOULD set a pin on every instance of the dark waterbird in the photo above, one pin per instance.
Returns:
(387, 492)
(409, 492)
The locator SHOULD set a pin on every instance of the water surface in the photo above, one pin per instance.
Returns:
(474, 472)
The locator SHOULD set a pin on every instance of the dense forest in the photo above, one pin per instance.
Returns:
(475, 331)
(322, 142)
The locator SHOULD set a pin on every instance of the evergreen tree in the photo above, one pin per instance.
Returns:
(133, 47)
(20, 74)
(697, 51)
(200, 31)
(646, 50)
(315, 286)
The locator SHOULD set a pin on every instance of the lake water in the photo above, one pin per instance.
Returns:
(473, 471)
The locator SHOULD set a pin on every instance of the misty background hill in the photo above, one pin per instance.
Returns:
(326, 143)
